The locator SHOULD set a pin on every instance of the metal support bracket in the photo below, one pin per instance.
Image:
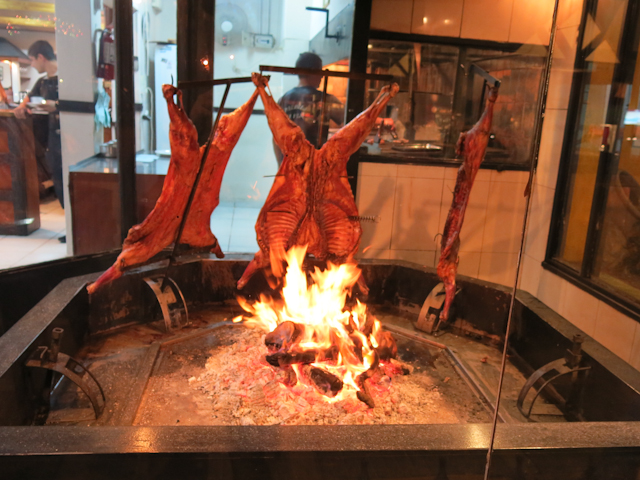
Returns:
(171, 300)
(51, 359)
(571, 364)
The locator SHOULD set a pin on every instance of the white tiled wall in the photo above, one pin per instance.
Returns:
(518, 21)
(606, 325)
(412, 203)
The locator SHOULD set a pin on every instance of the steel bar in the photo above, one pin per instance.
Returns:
(125, 125)
(211, 83)
(323, 112)
(326, 73)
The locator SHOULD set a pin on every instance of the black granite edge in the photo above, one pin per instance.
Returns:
(15, 341)
(617, 366)
(437, 162)
(53, 440)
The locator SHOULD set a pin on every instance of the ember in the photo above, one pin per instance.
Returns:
(312, 337)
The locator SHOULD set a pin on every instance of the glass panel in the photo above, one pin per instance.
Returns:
(438, 100)
(617, 262)
(253, 33)
(602, 34)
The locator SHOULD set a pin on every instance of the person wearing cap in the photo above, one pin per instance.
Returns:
(303, 104)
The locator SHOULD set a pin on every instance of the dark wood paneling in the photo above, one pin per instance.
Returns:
(20, 179)
(99, 192)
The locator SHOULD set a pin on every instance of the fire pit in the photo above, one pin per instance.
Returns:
(211, 388)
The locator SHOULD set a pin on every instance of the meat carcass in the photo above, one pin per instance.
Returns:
(160, 228)
(472, 145)
(310, 202)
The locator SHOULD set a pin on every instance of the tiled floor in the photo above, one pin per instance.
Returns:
(42, 245)
(234, 226)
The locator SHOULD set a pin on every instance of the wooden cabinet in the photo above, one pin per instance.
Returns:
(95, 207)
(19, 197)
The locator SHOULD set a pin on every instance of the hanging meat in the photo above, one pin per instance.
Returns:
(472, 145)
(160, 228)
(310, 202)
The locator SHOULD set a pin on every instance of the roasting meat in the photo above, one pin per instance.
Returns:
(160, 228)
(472, 145)
(310, 202)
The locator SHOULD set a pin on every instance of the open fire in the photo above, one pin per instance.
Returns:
(314, 336)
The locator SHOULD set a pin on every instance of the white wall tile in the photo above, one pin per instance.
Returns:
(551, 147)
(376, 198)
(367, 169)
(531, 22)
(498, 267)
(469, 264)
(420, 171)
(529, 278)
(486, 19)
(569, 13)
(437, 17)
(579, 308)
(472, 233)
(451, 173)
(509, 176)
(615, 331)
(551, 290)
(393, 16)
(421, 257)
(539, 221)
(416, 213)
(505, 214)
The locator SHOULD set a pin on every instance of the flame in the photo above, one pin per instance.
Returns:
(319, 305)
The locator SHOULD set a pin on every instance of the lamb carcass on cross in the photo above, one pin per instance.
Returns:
(159, 229)
(472, 145)
(310, 202)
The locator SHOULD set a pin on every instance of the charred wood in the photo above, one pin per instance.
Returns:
(284, 335)
(387, 348)
(323, 381)
(364, 394)
(297, 356)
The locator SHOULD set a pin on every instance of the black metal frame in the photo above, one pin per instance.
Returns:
(126, 123)
(583, 278)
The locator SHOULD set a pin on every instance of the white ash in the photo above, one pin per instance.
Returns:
(245, 390)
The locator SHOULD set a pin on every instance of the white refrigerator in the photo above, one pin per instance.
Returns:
(165, 68)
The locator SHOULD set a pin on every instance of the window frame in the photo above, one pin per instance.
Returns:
(583, 278)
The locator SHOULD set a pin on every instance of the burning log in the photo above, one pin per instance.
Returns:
(297, 356)
(323, 381)
(364, 394)
(290, 377)
(387, 348)
(285, 334)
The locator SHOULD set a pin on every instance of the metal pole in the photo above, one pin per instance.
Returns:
(126, 124)
(192, 194)
(544, 89)
(323, 112)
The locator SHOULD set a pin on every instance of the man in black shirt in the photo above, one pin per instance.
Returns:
(303, 104)
(43, 59)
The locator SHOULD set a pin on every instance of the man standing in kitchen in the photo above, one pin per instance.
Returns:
(303, 104)
(43, 59)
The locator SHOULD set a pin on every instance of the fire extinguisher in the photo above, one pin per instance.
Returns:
(106, 56)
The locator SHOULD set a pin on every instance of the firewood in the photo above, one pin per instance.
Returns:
(402, 367)
(323, 381)
(290, 379)
(284, 335)
(364, 395)
(298, 356)
(387, 348)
